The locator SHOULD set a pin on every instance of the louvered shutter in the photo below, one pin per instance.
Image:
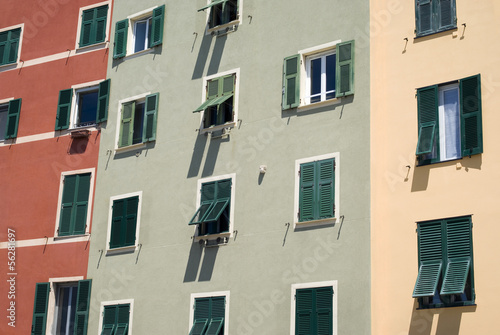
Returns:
(13, 45)
(131, 208)
(122, 319)
(40, 309)
(109, 320)
(424, 17)
(202, 309)
(222, 199)
(304, 311)
(120, 46)
(324, 310)
(4, 47)
(199, 327)
(67, 205)
(307, 190)
(446, 14)
(428, 127)
(127, 124)
(64, 109)
(82, 307)
(345, 69)
(470, 113)
(103, 101)
(88, 27)
(13, 118)
(150, 116)
(291, 82)
(101, 18)
(215, 326)
(326, 188)
(81, 203)
(157, 26)
(117, 225)
(430, 253)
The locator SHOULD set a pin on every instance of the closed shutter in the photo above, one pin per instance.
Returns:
(81, 203)
(157, 26)
(326, 188)
(67, 205)
(304, 317)
(471, 119)
(430, 253)
(103, 101)
(13, 45)
(82, 307)
(127, 124)
(307, 190)
(13, 118)
(88, 27)
(202, 309)
(345, 69)
(446, 14)
(324, 310)
(100, 24)
(64, 109)
(291, 82)
(423, 17)
(428, 128)
(122, 319)
(124, 222)
(120, 46)
(40, 309)
(109, 320)
(117, 225)
(131, 207)
(150, 116)
(4, 47)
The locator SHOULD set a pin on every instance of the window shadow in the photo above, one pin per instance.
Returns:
(78, 145)
(193, 263)
(194, 260)
(211, 159)
(199, 148)
(201, 60)
(207, 267)
(218, 49)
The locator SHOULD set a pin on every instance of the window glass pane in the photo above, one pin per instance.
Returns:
(3, 120)
(87, 108)
(450, 124)
(315, 80)
(142, 33)
(66, 310)
(330, 76)
(138, 122)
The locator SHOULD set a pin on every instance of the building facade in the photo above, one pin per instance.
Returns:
(233, 177)
(434, 156)
(53, 100)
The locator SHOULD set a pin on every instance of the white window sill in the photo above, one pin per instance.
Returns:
(139, 53)
(92, 47)
(315, 223)
(231, 125)
(121, 250)
(131, 147)
(211, 237)
(68, 237)
(10, 66)
(224, 28)
(330, 102)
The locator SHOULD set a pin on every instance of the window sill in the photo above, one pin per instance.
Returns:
(92, 47)
(334, 101)
(417, 36)
(211, 237)
(68, 237)
(121, 250)
(431, 162)
(138, 53)
(211, 129)
(9, 66)
(131, 147)
(224, 28)
(315, 223)
(465, 304)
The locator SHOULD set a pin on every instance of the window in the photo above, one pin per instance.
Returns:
(70, 301)
(138, 120)
(445, 274)
(219, 106)
(83, 106)
(328, 71)
(116, 320)
(209, 313)
(125, 213)
(314, 308)
(434, 16)
(221, 12)
(214, 213)
(316, 189)
(93, 25)
(9, 46)
(145, 30)
(9, 119)
(449, 121)
(74, 217)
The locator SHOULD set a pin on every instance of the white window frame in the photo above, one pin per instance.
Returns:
(117, 302)
(90, 201)
(77, 89)
(306, 56)
(327, 221)
(99, 45)
(231, 124)
(130, 248)
(132, 20)
(295, 287)
(14, 65)
(137, 98)
(221, 29)
(229, 234)
(207, 295)
(442, 122)
(5, 102)
(51, 307)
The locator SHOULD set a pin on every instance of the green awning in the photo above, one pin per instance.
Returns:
(213, 3)
(213, 102)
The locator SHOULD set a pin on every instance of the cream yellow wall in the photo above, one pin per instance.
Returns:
(403, 195)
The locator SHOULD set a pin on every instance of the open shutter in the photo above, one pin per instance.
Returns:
(13, 118)
(430, 254)
(64, 109)
(446, 14)
(459, 252)
(127, 124)
(40, 309)
(470, 113)
(306, 197)
(67, 205)
(304, 311)
(291, 82)
(109, 320)
(215, 326)
(120, 46)
(157, 26)
(345, 69)
(427, 100)
(150, 116)
(87, 32)
(131, 206)
(122, 319)
(103, 101)
(423, 17)
(81, 203)
(82, 307)
(324, 310)
(326, 188)
(199, 327)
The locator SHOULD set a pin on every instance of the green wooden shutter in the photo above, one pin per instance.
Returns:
(82, 307)
(222, 198)
(120, 46)
(304, 311)
(109, 320)
(157, 26)
(122, 319)
(430, 255)
(446, 14)
(428, 127)
(64, 109)
(424, 17)
(88, 27)
(40, 309)
(101, 18)
(459, 255)
(324, 310)
(202, 309)
(344, 84)
(117, 219)
(127, 124)
(470, 113)
(215, 326)
(13, 118)
(199, 327)
(103, 101)
(326, 188)
(218, 307)
(291, 82)
(9, 45)
(4, 47)
(131, 207)
(150, 116)
(307, 190)
(67, 205)
(81, 204)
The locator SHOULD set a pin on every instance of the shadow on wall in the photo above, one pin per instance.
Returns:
(201, 60)
(448, 320)
(207, 265)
